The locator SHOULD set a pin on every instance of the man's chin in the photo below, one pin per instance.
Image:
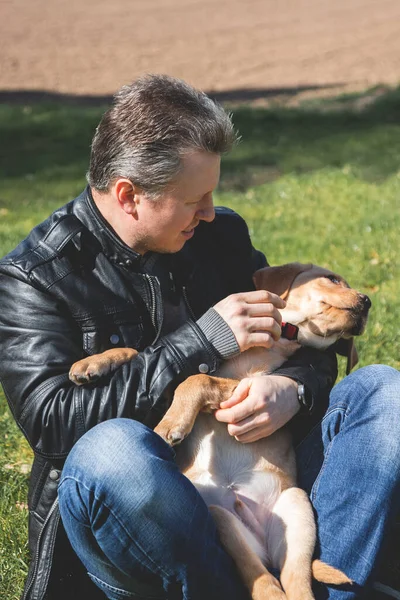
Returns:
(170, 250)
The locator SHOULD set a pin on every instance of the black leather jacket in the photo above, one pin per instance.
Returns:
(73, 288)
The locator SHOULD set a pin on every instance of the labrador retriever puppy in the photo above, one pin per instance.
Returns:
(263, 519)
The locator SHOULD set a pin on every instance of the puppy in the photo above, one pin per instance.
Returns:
(263, 519)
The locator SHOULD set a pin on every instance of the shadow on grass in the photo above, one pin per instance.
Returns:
(29, 97)
(43, 138)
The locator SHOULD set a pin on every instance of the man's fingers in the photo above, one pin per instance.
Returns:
(262, 296)
(229, 415)
(240, 393)
(266, 325)
(265, 309)
(237, 413)
(251, 436)
(261, 338)
(244, 426)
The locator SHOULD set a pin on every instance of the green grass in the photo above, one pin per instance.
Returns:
(15, 458)
(332, 218)
(319, 182)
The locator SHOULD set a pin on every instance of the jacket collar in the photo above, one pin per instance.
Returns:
(116, 250)
(112, 245)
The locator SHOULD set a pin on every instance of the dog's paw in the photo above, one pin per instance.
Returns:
(87, 370)
(171, 432)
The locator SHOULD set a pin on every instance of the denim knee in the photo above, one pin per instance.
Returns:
(379, 377)
(374, 385)
(370, 397)
(115, 451)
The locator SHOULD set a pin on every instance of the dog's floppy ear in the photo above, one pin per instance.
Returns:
(352, 355)
(347, 347)
(280, 279)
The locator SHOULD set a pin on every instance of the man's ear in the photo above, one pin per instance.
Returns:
(280, 279)
(352, 355)
(126, 193)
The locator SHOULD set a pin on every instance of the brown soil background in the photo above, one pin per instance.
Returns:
(250, 48)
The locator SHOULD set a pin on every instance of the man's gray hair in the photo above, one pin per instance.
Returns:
(149, 128)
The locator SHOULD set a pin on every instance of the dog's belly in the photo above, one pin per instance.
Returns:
(259, 490)
(225, 471)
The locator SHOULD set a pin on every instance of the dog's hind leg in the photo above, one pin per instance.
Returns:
(261, 584)
(249, 519)
(291, 542)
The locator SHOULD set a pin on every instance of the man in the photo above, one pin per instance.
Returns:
(142, 259)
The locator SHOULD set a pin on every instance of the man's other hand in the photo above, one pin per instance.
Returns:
(259, 406)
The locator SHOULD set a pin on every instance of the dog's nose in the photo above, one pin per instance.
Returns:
(366, 302)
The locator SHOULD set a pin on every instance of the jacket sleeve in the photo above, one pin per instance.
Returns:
(40, 341)
(316, 369)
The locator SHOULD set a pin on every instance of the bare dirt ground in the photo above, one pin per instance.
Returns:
(249, 48)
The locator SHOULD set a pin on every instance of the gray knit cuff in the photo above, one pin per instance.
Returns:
(218, 333)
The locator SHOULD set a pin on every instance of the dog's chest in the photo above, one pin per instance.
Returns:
(258, 361)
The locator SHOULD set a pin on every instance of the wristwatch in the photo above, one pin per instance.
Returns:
(305, 399)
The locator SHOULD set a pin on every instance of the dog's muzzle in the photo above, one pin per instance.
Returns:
(360, 314)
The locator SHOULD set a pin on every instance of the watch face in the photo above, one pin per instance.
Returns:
(305, 398)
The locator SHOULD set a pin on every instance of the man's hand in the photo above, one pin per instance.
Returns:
(253, 317)
(259, 406)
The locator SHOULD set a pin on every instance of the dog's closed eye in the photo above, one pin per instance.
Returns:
(335, 280)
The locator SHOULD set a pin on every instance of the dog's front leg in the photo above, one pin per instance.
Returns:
(196, 393)
(95, 366)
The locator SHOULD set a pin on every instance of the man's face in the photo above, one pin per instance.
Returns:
(166, 223)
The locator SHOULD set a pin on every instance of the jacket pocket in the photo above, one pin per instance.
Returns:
(117, 330)
(119, 336)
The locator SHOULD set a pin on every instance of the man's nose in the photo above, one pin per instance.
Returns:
(206, 211)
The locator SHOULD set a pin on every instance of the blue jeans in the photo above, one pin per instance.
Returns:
(142, 530)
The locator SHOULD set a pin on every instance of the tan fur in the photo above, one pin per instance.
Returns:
(91, 368)
(258, 580)
(262, 518)
(327, 574)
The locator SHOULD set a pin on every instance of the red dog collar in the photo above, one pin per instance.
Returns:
(289, 331)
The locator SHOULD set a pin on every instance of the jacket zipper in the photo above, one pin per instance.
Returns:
(36, 564)
(185, 297)
(153, 311)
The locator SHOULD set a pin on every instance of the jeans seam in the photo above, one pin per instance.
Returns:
(110, 587)
(314, 489)
(360, 556)
(125, 593)
(159, 570)
(194, 510)
(317, 425)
